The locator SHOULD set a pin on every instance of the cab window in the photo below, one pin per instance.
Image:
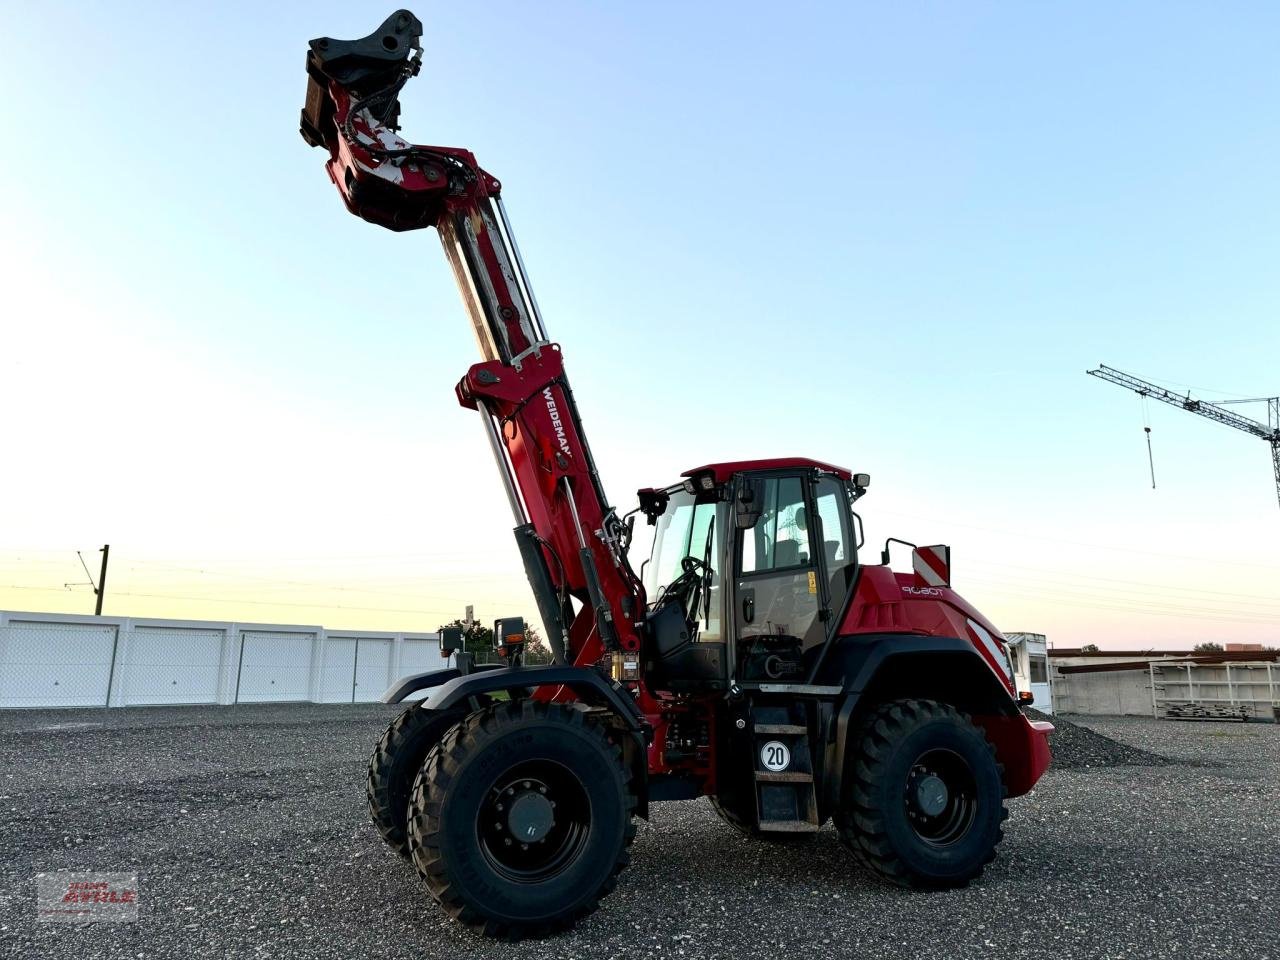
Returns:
(670, 544)
(686, 529)
(780, 538)
(832, 500)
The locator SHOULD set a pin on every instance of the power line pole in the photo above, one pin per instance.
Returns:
(101, 588)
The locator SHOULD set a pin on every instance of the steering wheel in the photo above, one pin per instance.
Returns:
(694, 572)
(692, 565)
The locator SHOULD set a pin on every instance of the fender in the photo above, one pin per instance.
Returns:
(949, 668)
(413, 682)
(450, 688)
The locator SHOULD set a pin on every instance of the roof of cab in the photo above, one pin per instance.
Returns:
(723, 471)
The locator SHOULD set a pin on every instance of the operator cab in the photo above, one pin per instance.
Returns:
(784, 530)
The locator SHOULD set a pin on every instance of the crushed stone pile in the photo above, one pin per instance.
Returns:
(1075, 747)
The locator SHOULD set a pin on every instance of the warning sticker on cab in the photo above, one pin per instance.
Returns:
(813, 582)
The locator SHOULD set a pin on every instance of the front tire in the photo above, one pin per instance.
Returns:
(393, 766)
(924, 797)
(520, 819)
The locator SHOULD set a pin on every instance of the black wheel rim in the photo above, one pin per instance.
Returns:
(941, 797)
(534, 821)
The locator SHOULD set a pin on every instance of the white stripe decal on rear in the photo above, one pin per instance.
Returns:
(993, 648)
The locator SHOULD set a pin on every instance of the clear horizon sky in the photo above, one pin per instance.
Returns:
(891, 236)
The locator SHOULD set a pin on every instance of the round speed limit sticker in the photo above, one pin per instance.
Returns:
(775, 756)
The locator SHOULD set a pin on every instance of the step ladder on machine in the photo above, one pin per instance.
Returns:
(786, 801)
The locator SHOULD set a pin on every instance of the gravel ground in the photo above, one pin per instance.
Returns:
(1076, 746)
(247, 829)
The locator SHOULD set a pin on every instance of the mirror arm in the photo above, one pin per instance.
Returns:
(884, 554)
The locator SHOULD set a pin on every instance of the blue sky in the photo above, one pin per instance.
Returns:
(887, 235)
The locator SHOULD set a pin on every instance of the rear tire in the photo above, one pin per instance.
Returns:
(924, 796)
(742, 825)
(393, 766)
(520, 819)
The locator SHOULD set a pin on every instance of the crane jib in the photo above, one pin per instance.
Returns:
(1269, 431)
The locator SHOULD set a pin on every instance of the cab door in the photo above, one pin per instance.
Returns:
(777, 596)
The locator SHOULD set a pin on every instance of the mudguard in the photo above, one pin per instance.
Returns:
(946, 668)
(414, 682)
(450, 688)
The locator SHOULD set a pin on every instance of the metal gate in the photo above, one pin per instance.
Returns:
(1185, 690)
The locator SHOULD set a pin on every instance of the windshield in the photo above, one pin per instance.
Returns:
(681, 532)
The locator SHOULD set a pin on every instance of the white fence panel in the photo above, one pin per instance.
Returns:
(73, 660)
(417, 656)
(337, 668)
(275, 667)
(55, 664)
(168, 665)
(373, 668)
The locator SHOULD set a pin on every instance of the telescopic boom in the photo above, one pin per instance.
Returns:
(571, 540)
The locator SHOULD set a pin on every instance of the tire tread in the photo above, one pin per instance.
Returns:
(861, 824)
(439, 771)
(404, 728)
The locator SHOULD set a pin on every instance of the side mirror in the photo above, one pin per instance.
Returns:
(884, 554)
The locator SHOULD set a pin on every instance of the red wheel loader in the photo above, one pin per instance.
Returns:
(760, 661)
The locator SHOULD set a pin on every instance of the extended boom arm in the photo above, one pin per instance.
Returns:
(572, 542)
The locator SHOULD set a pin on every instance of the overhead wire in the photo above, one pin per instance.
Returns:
(1022, 535)
(285, 584)
(243, 600)
(1179, 589)
(1153, 604)
(1192, 386)
(1002, 592)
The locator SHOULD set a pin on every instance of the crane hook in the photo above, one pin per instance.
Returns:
(1150, 459)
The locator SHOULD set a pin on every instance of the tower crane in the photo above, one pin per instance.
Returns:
(1269, 431)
